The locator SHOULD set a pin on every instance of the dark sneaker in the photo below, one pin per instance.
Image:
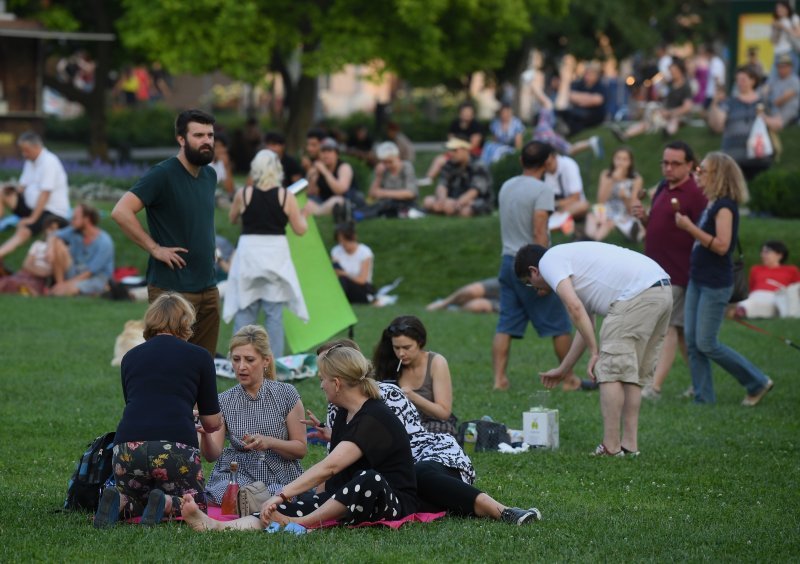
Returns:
(338, 213)
(108, 510)
(633, 453)
(601, 450)
(154, 510)
(517, 516)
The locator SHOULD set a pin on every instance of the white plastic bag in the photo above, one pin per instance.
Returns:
(759, 144)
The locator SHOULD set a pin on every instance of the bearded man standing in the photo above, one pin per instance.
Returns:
(178, 198)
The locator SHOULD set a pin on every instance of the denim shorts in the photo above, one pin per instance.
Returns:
(520, 304)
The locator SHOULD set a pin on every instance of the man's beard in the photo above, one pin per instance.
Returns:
(198, 157)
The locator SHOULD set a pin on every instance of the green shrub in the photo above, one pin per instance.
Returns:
(505, 168)
(74, 130)
(776, 192)
(141, 127)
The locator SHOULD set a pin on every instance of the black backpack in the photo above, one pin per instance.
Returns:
(91, 472)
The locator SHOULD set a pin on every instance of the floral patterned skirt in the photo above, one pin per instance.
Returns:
(174, 468)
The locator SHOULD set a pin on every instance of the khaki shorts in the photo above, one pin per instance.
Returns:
(678, 302)
(632, 336)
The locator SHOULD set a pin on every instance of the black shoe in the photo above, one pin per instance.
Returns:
(108, 510)
(337, 213)
(154, 510)
(517, 516)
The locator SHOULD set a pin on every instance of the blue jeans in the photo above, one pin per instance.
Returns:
(273, 322)
(705, 310)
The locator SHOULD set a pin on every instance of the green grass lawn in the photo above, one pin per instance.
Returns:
(713, 483)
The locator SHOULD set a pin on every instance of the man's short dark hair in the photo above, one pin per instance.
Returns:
(316, 133)
(535, 154)
(527, 256)
(188, 116)
(274, 138)
(90, 213)
(682, 146)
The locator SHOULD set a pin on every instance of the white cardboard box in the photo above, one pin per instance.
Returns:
(540, 427)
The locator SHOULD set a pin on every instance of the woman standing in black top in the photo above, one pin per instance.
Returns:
(156, 448)
(262, 275)
(369, 473)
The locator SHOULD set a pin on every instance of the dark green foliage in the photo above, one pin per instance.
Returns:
(776, 192)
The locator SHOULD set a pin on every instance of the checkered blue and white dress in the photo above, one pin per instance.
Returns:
(265, 414)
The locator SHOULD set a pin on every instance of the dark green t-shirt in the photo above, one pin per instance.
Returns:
(180, 213)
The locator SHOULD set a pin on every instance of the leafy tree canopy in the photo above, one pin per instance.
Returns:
(424, 42)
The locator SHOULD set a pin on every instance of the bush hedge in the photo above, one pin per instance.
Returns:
(777, 193)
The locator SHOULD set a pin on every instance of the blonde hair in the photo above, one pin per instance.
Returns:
(349, 366)
(266, 169)
(724, 178)
(169, 313)
(256, 336)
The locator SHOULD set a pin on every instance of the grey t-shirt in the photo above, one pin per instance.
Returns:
(777, 87)
(518, 199)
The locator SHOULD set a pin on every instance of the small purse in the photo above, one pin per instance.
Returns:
(252, 497)
(740, 287)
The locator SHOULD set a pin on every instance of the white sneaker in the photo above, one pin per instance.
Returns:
(597, 146)
(649, 392)
(414, 213)
(424, 181)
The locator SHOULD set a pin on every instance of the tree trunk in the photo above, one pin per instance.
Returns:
(301, 105)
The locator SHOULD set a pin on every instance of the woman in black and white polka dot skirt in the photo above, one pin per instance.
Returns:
(369, 473)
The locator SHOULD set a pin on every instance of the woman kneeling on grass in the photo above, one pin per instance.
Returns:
(156, 448)
(369, 473)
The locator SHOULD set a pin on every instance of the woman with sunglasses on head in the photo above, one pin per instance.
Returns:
(423, 375)
(711, 281)
(368, 474)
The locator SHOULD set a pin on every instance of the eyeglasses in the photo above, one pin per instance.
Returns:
(398, 329)
(672, 164)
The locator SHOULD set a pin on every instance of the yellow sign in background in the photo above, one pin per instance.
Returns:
(754, 31)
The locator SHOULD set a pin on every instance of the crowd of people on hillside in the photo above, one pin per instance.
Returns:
(390, 425)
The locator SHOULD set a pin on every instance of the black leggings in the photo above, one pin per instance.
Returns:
(443, 488)
(356, 293)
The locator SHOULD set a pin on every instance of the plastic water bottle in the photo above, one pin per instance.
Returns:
(470, 438)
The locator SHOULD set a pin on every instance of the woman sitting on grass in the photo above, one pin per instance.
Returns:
(766, 279)
(262, 421)
(156, 448)
(423, 375)
(619, 188)
(352, 262)
(369, 473)
(444, 472)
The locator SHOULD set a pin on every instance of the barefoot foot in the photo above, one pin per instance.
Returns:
(196, 519)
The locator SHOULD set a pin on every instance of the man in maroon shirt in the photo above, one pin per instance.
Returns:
(671, 247)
